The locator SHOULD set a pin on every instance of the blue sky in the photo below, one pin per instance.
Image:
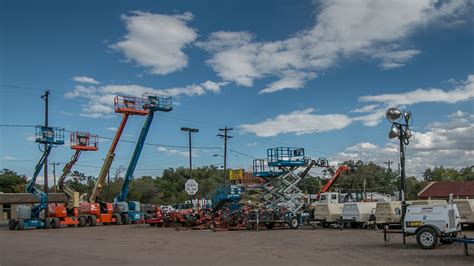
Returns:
(317, 75)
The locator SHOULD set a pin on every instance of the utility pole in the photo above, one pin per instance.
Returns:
(225, 136)
(190, 130)
(389, 163)
(45, 96)
(54, 174)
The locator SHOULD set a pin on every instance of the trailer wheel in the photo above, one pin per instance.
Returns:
(55, 223)
(125, 219)
(326, 224)
(92, 220)
(46, 224)
(20, 224)
(12, 224)
(294, 223)
(82, 221)
(427, 238)
(212, 226)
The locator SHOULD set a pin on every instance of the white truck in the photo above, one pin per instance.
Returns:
(431, 223)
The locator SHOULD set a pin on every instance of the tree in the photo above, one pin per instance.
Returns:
(11, 182)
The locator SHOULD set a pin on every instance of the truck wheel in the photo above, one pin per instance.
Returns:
(82, 221)
(46, 224)
(12, 224)
(20, 224)
(427, 238)
(118, 219)
(125, 219)
(294, 223)
(92, 220)
(55, 223)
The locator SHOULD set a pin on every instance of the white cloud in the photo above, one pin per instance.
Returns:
(84, 79)
(376, 112)
(252, 144)
(157, 41)
(101, 98)
(176, 152)
(342, 29)
(298, 122)
(448, 144)
(8, 158)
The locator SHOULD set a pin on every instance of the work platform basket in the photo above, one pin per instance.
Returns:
(155, 102)
(286, 157)
(130, 105)
(261, 169)
(49, 135)
(84, 141)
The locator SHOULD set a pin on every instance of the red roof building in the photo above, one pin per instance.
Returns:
(441, 190)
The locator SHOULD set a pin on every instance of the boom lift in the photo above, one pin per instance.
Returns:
(30, 216)
(68, 214)
(333, 179)
(131, 211)
(93, 212)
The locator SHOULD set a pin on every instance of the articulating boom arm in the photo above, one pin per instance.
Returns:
(69, 191)
(99, 183)
(30, 188)
(308, 168)
(122, 196)
(334, 177)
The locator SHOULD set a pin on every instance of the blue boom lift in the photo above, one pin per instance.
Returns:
(30, 216)
(130, 212)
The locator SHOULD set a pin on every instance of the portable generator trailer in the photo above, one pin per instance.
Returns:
(466, 210)
(389, 212)
(358, 214)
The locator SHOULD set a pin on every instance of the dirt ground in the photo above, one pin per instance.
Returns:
(136, 244)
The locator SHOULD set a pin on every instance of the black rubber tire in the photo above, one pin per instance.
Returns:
(269, 225)
(125, 219)
(20, 224)
(152, 224)
(326, 225)
(92, 220)
(166, 224)
(294, 224)
(427, 238)
(47, 224)
(55, 223)
(212, 226)
(82, 221)
(12, 224)
(118, 219)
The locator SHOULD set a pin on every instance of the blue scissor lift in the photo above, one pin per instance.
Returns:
(281, 190)
(31, 216)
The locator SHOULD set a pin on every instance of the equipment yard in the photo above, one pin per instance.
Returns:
(143, 245)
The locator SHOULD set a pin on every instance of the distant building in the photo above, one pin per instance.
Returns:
(9, 202)
(441, 190)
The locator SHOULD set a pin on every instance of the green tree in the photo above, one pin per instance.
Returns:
(11, 182)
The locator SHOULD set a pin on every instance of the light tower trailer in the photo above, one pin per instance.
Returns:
(429, 223)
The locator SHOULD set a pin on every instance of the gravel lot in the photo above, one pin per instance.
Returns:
(137, 244)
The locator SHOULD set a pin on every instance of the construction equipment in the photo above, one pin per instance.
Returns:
(69, 214)
(131, 211)
(281, 196)
(32, 216)
(93, 212)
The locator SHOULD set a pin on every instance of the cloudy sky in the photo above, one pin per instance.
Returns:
(311, 74)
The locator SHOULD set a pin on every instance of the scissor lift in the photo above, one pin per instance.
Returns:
(281, 195)
(68, 214)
